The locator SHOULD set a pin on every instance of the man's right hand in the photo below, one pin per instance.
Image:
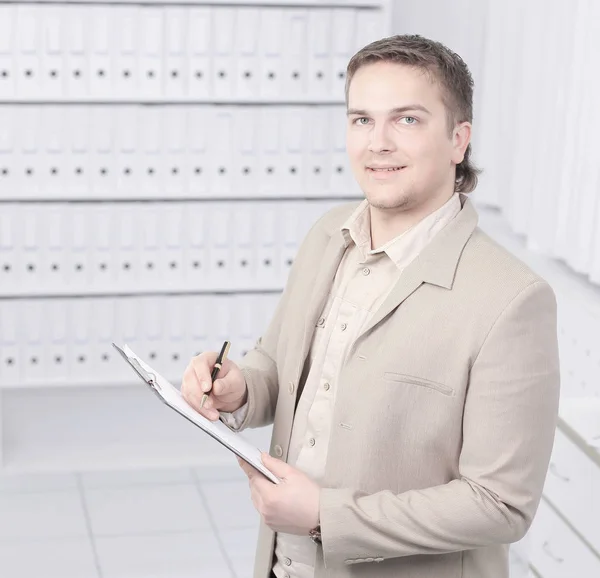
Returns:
(229, 391)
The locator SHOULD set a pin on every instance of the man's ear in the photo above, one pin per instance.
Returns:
(461, 137)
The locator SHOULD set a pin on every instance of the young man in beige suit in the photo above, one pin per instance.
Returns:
(410, 370)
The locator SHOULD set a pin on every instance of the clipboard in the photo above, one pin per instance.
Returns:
(172, 397)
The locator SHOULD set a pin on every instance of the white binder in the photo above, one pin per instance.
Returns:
(77, 162)
(75, 29)
(176, 42)
(172, 245)
(51, 163)
(10, 337)
(270, 162)
(199, 62)
(174, 138)
(152, 266)
(245, 164)
(126, 42)
(295, 60)
(33, 349)
(318, 162)
(247, 65)
(56, 315)
(54, 272)
(102, 132)
(104, 259)
(267, 245)
(7, 49)
(150, 145)
(80, 340)
(53, 76)
(244, 261)
(28, 152)
(221, 167)
(28, 45)
(319, 53)
(271, 41)
(9, 119)
(9, 245)
(195, 223)
(197, 161)
(99, 27)
(220, 248)
(223, 56)
(151, 53)
(293, 151)
(127, 162)
(80, 236)
(172, 397)
(343, 43)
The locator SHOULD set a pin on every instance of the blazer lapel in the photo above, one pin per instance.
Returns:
(435, 265)
(321, 287)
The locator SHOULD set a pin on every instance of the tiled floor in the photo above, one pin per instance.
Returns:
(143, 524)
(151, 524)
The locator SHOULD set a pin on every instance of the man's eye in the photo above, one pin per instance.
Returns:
(409, 119)
(361, 119)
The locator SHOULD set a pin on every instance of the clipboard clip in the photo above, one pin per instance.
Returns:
(147, 376)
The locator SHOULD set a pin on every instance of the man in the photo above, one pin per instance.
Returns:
(411, 367)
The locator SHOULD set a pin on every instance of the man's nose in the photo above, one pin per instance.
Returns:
(381, 141)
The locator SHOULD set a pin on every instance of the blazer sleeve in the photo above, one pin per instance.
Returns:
(510, 416)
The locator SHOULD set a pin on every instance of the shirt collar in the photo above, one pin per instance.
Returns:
(405, 247)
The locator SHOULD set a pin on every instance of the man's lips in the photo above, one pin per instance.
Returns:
(388, 169)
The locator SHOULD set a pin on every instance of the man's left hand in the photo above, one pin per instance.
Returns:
(292, 506)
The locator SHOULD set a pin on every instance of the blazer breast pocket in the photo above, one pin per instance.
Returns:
(402, 378)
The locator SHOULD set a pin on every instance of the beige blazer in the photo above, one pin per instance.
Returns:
(445, 414)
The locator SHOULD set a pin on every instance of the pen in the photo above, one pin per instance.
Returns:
(215, 371)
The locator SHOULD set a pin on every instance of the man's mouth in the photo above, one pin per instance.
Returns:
(384, 169)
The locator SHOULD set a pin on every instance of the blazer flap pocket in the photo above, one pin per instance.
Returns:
(421, 381)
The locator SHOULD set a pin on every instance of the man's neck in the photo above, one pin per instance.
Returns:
(388, 224)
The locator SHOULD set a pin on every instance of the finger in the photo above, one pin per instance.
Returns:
(249, 470)
(201, 366)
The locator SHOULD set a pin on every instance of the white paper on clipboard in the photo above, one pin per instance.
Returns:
(172, 397)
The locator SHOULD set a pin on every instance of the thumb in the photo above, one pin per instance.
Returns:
(221, 386)
(278, 467)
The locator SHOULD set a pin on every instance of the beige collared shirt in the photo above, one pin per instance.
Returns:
(363, 280)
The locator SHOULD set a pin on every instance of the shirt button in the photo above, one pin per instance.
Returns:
(366, 271)
(286, 575)
(278, 451)
(292, 387)
(287, 561)
(344, 326)
(321, 321)
(311, 442)
(326, 386)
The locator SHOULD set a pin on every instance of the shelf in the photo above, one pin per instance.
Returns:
(167, 100)
(280, 3)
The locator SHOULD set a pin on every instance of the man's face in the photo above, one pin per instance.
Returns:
(398, 140)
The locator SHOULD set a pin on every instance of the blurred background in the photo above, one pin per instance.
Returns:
(159, 165)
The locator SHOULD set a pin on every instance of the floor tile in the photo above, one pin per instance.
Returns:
(230, 504)
(189, 555)
(240, 548)
(37, 482)
(57, 514)
(136, 478)
(221, 473)
(146, 510)
(71, 558)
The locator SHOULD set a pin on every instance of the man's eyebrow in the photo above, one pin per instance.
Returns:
(397, 110)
